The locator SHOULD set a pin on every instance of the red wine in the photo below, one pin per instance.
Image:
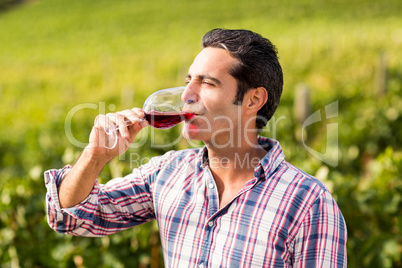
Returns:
(166, 119)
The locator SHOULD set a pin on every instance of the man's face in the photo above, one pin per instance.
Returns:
(210, 93)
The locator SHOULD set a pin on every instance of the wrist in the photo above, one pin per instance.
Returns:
(94, 158)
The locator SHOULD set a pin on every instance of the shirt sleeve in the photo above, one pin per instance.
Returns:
(117, 205)
(321, 239)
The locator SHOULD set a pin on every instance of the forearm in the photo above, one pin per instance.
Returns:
(100, 209)
(78, 183)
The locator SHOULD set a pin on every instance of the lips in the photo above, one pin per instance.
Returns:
(194, 108)
(192, 112)
(189, 116)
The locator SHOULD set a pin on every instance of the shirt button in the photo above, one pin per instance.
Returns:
(211, 223)
(211, 185)
(201, 265)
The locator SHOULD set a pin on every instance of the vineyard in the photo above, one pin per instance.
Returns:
(64, 62)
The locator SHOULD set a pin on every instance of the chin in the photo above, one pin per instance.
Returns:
(192, 132)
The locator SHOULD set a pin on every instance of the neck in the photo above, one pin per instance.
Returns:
(232, 167)
(230, 163)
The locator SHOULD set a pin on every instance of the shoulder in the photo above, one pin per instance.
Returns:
(292, 175)
(296, 190)
(305, 196)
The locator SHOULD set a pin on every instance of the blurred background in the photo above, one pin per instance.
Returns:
(82, 58)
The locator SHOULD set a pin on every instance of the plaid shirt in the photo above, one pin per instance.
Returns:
(281, 218)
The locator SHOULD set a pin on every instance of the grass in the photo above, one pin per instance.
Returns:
(57, 54)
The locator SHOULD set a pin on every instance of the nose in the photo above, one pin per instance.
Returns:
(189, 96)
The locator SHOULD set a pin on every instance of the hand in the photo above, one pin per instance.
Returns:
(104, 134)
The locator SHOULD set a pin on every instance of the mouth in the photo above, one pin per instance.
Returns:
(191, 112)
(190, 115)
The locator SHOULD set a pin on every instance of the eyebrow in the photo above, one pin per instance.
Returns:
(206, 76)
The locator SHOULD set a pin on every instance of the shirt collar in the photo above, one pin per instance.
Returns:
(271, 161)
(268, 164)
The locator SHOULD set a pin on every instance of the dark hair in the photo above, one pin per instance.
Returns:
(258, 67)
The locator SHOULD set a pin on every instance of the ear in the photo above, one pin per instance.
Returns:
(254, 99)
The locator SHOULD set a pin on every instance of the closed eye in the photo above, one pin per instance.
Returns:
(207, 83)
(188, 79)
(204, 79)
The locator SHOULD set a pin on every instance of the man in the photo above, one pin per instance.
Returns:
(234, 203)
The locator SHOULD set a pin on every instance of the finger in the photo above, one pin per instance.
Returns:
(131, 119)
(103, 133)
(136, 117)
(130, 116)
(133, 115)
(141, 114)
(103, 122)
(122, 123)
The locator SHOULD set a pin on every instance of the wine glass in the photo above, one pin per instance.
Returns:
(163, 109)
